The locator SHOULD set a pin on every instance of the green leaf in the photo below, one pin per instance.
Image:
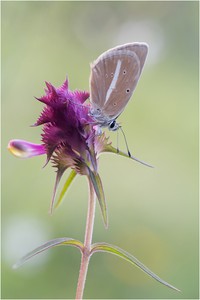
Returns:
(110, 148)
(46, 246)
(66, 186)
(97, 184)
(104, 247)
(60, 172)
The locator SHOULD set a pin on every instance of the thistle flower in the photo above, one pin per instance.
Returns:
(71, 140)
(69, 137)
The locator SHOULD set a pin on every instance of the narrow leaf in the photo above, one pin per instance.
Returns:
(104, 247)
(110, 148)
(58, 178)
(66, 186)
(46, 246)
(97, 184)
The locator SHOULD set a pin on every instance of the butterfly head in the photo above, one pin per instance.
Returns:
(103, 121)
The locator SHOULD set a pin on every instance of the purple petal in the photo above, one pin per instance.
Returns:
(65, 85)
(24, 149)
(81, 96)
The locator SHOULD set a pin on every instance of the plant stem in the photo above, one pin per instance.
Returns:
(87, 242)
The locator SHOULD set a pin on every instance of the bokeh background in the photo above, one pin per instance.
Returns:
(153, 213)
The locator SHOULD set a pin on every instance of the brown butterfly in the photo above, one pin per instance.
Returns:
(114, 76)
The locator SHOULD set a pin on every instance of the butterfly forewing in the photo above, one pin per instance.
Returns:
(140, 49)
(123, 88)
(100, 80)
(114, 76)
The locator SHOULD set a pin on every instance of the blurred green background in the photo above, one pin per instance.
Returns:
(153, 213)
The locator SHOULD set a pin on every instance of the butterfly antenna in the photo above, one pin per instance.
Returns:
(117, 141)
(129, 153)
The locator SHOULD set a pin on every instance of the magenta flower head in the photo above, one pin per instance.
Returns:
(69, 138)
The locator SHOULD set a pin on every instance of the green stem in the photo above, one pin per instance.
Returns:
(87, 243)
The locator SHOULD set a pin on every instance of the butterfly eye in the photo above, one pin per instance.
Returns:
(127, 91)
(124, 72)
(112, 124)
(114, 104)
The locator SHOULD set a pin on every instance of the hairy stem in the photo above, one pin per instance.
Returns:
(87, 243)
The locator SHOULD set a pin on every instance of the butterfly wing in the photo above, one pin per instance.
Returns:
(114, 76)
(140, 49)
(102, 72)
(122, 88)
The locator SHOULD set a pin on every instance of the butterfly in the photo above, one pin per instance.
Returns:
(114, 76)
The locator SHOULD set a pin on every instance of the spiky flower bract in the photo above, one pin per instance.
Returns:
(69, 137)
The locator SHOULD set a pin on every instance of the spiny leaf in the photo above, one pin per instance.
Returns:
(66, 186)
(104, 247)
(97, 184)
(110, 148)
(46, 246)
